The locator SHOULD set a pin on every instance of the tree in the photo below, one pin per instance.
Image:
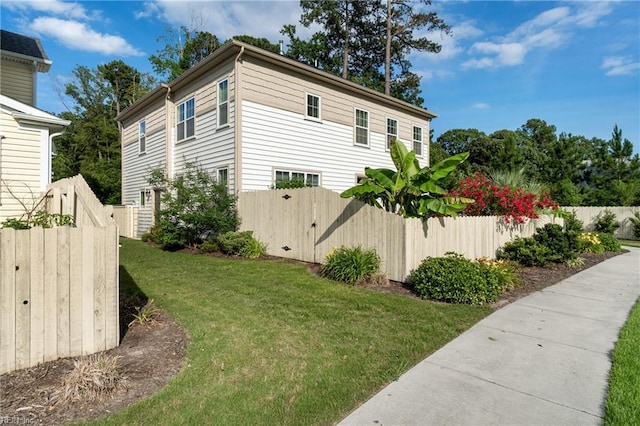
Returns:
(358, 40)
(401, 22)
(410, 190)
(91, 144)
(262, 43)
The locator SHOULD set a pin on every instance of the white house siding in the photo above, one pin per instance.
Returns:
(136, 167)
(16, 81)
(212, 148)
(145, 220)
(283, 89)
(20, 166)
(273, 138)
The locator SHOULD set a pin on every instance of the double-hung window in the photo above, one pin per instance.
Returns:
(186, 119)
(142, 137)
(417, 140)
(223, 176)
(392, 131)
(313, 107)
(223, 103)
(362, 127)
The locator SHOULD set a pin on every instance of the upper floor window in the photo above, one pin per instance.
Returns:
(417, 140)
(362, 127)
(223, 103)
(142, 137)
(313, 106)
(392, 131)
(186, 119)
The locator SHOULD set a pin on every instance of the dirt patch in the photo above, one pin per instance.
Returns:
(149, 356)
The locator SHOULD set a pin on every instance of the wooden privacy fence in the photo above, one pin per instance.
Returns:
(589, 216)
(305, 224)
(73, 196)
(58, 294)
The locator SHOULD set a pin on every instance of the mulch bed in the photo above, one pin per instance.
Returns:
(149, 356)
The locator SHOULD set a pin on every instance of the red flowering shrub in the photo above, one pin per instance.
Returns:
(493, 200)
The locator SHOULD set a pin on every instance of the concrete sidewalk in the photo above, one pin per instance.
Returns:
(543, 359)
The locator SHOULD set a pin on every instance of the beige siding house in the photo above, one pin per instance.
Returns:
(254, 118)
(26, 133)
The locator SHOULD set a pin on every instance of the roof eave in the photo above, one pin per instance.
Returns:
(41, 65)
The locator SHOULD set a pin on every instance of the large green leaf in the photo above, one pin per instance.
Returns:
(446, 166)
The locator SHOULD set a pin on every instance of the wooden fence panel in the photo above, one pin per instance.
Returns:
(589, 216)
(58, 294)
(312, 221)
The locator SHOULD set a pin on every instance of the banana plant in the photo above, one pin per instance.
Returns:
(410, 190)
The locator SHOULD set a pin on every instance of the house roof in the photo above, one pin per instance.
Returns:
(19, 48)
(29, 115)
(235, 48)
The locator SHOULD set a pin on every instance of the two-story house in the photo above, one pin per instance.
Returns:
(254, 118)
(26, 132)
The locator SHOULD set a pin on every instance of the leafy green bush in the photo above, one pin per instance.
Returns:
(588, 242)
(606, 222)
(209, 246)
(195, 207)
(241, 244)
(291, 184)
(41, 218)
(525, 251)
(609, 242)
(152, 235)
(635, 221)
(572, 223)
(503, 270)
(455, 279)
(351, 265)
(560, 244)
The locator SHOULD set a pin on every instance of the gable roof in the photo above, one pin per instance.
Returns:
(29, 115)
(19, 48)
(237, 49)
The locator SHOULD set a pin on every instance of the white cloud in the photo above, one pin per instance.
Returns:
(480, 105)
(505, 54)
(228, 18)
(620, 65)
(589, 13)
(56, 7)
(77, 35)
(451, 43)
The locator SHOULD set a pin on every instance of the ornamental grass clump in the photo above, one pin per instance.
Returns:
(92, 377)
(351, 265)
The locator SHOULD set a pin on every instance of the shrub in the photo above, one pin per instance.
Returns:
(92, 377)
(560, 244)
(291, 184)
(635, 221)
(455, 279)
(503, 270)
(588, 242)
(195, 207)
(609, 242)
(525, 251)
(606, 222)
(513, 204)
(152, 235)
(209, 246)
(241, 244)
(572, 223)
(351, 265)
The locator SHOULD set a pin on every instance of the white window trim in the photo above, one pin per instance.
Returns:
(355, 127)
(144, 197)
(306, 107)
(185, 121)
(142, 135)
(218, 103)
(218, 170)
(386, 138)
(413, 140)
(291, 171)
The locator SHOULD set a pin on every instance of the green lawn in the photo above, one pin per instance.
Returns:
(631, 243)
(623, 401)
(270, 343)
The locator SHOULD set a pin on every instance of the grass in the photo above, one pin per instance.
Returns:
(270, 343)
(623, 400)
(630, 243)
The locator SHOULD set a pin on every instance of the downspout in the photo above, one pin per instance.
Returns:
(238, 124)
(34, 92)
(168, 133)
(50, 155)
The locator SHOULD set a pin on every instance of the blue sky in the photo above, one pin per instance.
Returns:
(574, 64)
